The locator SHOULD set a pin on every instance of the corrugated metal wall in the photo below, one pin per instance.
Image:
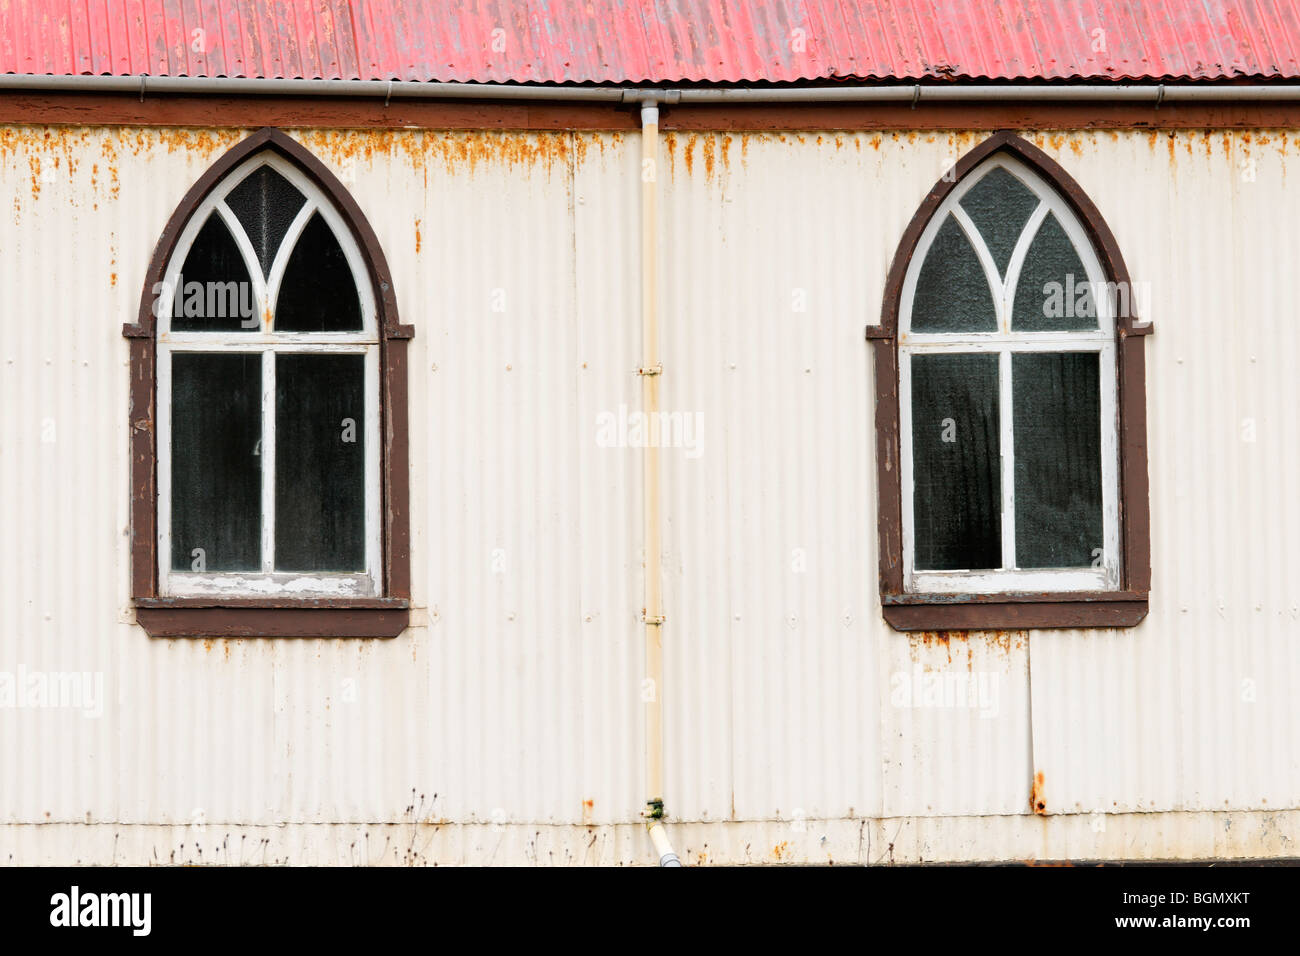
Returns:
(516, 697)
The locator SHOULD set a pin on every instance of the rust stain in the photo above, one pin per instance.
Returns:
(935, 640)
(780, 850)
(457, 152)
(580, 145)
(1007, 641)
(417, 235)
(587, 808)
(689, 154)
(1037, 798)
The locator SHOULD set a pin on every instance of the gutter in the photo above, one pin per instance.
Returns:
(913, 93)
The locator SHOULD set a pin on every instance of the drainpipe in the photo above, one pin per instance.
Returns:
(651, 369)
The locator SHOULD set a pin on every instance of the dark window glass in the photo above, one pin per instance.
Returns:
(952, 291)
(320, 463)
(1052, 293)
(957, 497)
(214, 293)
(216, 461)
(318, 294)
(1000, 205)
(265, 204)
(1057, 428)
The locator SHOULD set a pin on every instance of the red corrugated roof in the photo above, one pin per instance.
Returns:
(655, 41)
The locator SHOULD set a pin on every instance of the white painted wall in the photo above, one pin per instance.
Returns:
(512, 706)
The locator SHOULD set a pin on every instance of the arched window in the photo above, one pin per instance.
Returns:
(269, 345)
(1013, 468)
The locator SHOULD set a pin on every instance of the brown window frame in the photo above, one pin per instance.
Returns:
(385, 616)
(915, 611)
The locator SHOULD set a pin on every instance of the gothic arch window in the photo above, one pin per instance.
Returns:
(1010, 419)
(268, 411)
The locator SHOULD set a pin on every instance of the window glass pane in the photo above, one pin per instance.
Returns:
(216, 463)
(1000, 205)
(214, 293)
(320, 463)
(1057, 427)
(265, 204)
(1052, 293)
(318, 294)
(957, 487)
(952, 292)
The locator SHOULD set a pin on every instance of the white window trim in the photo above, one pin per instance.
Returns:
(1004, 343)
(268, 583)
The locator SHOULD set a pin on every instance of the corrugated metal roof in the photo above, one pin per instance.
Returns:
(654, 41)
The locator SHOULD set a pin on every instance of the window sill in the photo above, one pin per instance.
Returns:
(261, 617)
(987, 612)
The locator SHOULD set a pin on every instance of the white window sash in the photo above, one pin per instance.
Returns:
(1005, 343)
(268, 582)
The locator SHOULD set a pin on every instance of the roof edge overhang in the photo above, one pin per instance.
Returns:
(914, 92)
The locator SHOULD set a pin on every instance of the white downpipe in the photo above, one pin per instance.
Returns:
(650, 370)
(663, 849)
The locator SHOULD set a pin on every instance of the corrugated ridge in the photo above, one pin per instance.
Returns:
(656, 41)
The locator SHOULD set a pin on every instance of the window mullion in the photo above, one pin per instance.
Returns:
(268, 461)
(374, 479)
(1007, 463)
